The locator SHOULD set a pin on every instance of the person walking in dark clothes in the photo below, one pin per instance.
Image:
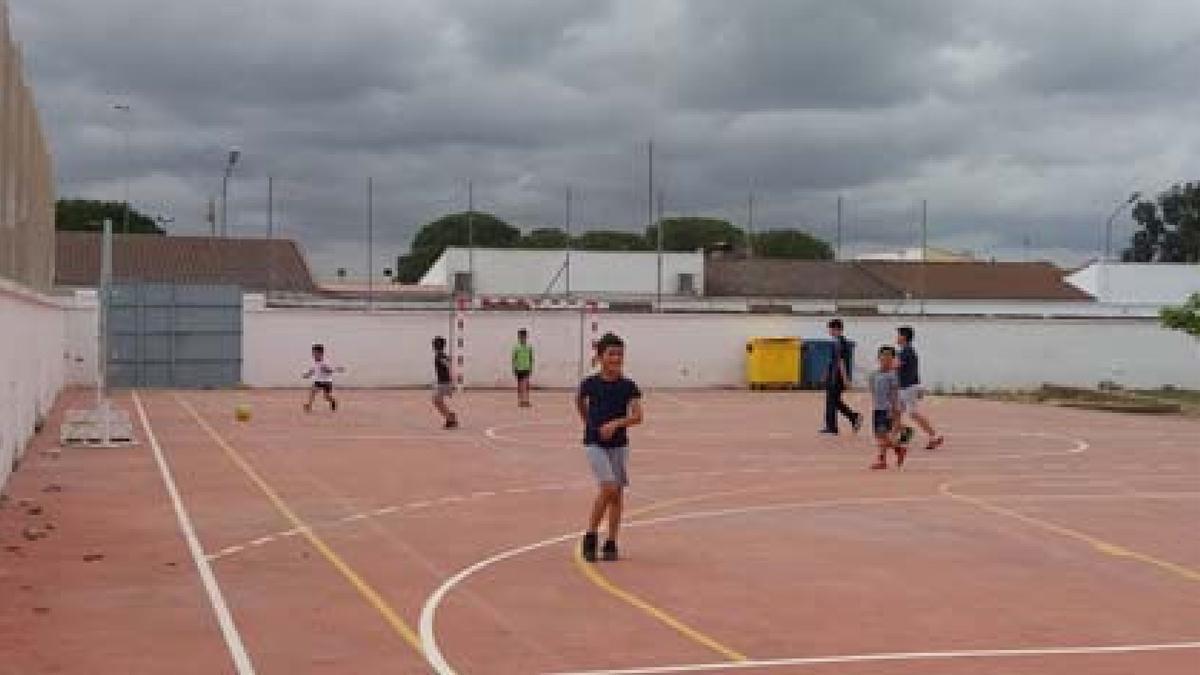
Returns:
(837, 381)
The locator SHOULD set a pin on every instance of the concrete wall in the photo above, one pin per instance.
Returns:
(533, 272)
(31, 366)
(694, 350)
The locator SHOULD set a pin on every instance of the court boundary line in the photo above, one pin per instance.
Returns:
(597, 578)
(426, 625)
(368, 593)
(1100, 545)
(894, 657)
(212, 588)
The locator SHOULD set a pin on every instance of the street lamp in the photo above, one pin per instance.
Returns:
(1108, 226)
(128, 130)
(235, 154)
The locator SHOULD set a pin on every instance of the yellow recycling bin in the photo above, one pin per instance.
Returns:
(773, 363)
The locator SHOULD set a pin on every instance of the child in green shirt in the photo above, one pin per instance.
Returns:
(522, 363)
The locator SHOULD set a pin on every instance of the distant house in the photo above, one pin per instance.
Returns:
(1134, 286)
(945, 287)
(253, 264)
(527, 272)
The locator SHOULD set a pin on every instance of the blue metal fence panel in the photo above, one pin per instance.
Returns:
(177, 336)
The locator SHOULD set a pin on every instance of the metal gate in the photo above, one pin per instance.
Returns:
(175, 336)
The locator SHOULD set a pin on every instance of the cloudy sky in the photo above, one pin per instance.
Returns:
(1022, 122)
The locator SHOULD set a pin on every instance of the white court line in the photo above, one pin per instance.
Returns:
(429, 642)
(895, 656)
(233, 639)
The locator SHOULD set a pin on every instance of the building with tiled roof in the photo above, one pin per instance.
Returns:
(253, 264)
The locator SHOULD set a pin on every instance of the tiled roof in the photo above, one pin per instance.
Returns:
(768, 278)
(976, 280)
(253, 264)
(872, 280)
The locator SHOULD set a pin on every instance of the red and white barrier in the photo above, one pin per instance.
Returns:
(460, 341)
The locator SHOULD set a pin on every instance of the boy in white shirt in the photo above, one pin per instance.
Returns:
(321, 373)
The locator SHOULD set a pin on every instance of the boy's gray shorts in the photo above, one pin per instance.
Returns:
(609, 464)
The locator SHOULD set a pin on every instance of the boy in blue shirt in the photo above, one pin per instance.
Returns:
(608, 403)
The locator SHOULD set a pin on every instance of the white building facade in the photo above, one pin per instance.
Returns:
(529, 272)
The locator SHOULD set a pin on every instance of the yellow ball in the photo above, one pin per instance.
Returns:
(242, 413)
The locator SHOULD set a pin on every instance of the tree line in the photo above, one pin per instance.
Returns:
(1168, 227)
(88, 215)
(485, 230)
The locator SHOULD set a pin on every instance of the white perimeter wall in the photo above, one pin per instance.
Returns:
(532, 272)
(679, 350)
(31, 367)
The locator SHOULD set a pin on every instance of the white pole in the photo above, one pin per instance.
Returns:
(102, 300)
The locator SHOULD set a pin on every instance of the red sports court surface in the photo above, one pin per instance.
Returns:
(1038, 540)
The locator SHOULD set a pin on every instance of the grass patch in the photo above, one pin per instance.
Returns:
(1108, 399)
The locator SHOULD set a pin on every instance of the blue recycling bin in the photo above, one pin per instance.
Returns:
(815, 355)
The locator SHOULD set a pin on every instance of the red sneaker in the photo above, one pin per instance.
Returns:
(881, 464)
(935, 443)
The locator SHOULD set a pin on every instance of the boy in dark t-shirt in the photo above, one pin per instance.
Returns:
(443, 387)
(608, 403)
(911, 391)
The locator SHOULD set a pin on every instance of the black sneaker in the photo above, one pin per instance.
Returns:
(857, 423)
(829, 432)
(333, 405)
(588, 548)
(609, 552)
(452, 422)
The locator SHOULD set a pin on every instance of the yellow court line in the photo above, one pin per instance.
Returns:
(1105, 547)
(364, 589)
(593, 575)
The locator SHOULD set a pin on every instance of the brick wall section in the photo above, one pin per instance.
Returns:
(26, 175)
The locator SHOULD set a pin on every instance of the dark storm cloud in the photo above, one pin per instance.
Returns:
(1019, 121)
(790, 54)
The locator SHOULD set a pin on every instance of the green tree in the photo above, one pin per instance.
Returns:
(1185, 318)
(611, 240)
(792, 244)
(691, 234)
(483, 230)
(546, 238)
(1169, 227)
(88, 215)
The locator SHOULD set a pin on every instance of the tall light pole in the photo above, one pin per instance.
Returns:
(1108, 225)
(370, 243)
(128, 131)
(235, 154)
(471, 235)
(567, 263)
(750, 226)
